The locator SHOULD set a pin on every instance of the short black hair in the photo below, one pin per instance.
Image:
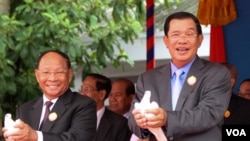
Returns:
(102, 82)
(245, 80)
(130, 86)
(65, 56)
(182, 15)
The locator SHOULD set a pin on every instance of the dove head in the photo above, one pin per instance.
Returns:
(146, 97)
(8, 115)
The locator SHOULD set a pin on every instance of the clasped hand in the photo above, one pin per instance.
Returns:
(20, 132)
(150, 118)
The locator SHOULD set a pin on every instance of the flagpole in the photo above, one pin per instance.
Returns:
(150, 35)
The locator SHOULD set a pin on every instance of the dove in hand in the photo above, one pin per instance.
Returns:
(9, 122)
(145, 104)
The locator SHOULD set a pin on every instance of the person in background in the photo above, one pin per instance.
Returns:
(244, 89)
(72, 116)
(238, 110)
(195, 113)
(120, 98)
(110, 126)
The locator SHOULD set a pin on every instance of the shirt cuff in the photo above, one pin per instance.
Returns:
(39, 136)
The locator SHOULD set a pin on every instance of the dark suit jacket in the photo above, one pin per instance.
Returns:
(239, 111)
(113, 127)
(76, 119)
(201, 106)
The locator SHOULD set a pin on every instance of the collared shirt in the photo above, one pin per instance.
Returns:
(45, 99)
(39, 133)
(126, 115)
(185, 69)
(99, 114)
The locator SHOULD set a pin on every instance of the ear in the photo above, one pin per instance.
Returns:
(233, 81)
(131, 97)
(71, 74)
(166, 40)
(200, 39)
(102, 94)
(37, 75)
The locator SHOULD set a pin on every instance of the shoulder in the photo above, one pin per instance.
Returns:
(157, 71)
(243, 100)
(78, 97)
(115, 117)
(203, 63)
(31, 103)
(75, 98)
(212, 68)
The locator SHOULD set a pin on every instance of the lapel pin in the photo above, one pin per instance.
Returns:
(52, 116)
(227, 114)
(191, 80)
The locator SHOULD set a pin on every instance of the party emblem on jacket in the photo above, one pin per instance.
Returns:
(227, 114)
(191, 80)
(52, 116)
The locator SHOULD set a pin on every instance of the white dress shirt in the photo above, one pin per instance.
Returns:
(39, 133)
(99, 114)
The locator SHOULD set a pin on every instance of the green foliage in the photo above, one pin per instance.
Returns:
(89, 31)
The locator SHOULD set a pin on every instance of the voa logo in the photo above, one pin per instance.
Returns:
(236, 132)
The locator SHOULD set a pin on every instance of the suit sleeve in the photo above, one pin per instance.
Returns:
(139, 132)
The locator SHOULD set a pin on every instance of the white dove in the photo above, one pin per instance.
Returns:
(9, 122)
(145, 104)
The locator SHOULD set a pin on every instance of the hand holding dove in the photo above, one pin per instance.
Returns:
(146, 105)
(9, 123)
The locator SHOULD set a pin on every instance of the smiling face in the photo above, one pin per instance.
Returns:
(53, 75)
(182, 40)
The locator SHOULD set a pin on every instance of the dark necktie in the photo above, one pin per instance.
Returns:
(176, 88)
(47, 110)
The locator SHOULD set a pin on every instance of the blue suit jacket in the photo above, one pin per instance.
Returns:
(76, 117)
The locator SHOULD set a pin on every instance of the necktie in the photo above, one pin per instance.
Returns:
(176, 88)
(47, 110)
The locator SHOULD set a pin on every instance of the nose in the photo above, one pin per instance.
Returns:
(111, 98)
(52, 76)
(182, 39)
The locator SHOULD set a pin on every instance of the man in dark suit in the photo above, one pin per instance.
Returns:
(110, 126)
(238, 110)
(198, 113)
(72, 116)
(120, 98)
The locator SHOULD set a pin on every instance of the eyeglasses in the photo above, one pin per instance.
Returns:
(188, 35)
(49, 73)
(87, 89)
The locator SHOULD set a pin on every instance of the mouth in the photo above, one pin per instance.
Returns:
(112, 104)
(53, 86)
(182, 49)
